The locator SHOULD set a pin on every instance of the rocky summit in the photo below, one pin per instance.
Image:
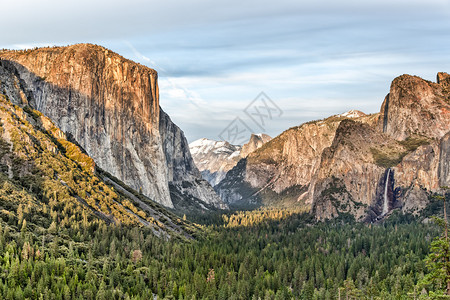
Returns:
(110, 106)
(363, 165)
(215, 158)
(280, 171)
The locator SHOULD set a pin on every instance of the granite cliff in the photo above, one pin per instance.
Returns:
(255, 142)
(57, 182)
(396, 163)
(279, 172)
(110, 106)
(363, 165)
(350, 170)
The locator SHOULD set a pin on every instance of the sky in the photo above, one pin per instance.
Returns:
(251, 66)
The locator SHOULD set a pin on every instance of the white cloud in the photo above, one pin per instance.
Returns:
(314, 58)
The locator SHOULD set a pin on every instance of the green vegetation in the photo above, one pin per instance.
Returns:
(282, 258)
(258, 216)
(74, 153)
(438, 260)
(57, 177)
(411, 143)
(387, 157)
(71, 231)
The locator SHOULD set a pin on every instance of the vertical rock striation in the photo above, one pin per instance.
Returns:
(110, 106)
(341, 164)
(409, 141)
(281, 170)
(416, 107)
(353, 171)
(444, 161)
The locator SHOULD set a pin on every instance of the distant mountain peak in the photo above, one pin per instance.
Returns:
(215, 158)
(255, 142)
(205, 145)
(352, 162)
(110, 106)
(352, 114)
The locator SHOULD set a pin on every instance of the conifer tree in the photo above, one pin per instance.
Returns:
(438, 260)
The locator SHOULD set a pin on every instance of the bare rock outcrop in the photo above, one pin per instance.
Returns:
(283, 167)
(352, 172)
(414, 117)
(444, 161)
(256, 141)
(415, 106)
(363, 165)
(110, 106)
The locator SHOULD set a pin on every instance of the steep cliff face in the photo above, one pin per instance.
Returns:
(188, 190)
(417, 175)
(352, 175)
(110, 106)
(444, 161)
(416, 107)
(46, 172)
(364, 165)
(415, 119)
(256, 141)
(280, 171)
(357, 176)
(416, 110)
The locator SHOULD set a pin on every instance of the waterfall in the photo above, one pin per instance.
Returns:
(386, 200)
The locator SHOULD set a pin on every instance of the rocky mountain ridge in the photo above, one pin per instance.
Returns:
(215, 158)
(110, 106)
(283, 167)
(56, 183)
(364, 165)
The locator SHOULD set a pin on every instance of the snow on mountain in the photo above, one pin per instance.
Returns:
(215, 158)
(352, 114)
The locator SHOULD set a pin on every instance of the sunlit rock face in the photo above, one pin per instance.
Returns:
(408, 141)
(363, 165)
(282, 169)
(415, 106)
(110, 106)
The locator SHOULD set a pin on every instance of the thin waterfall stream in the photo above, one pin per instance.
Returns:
(386, 200)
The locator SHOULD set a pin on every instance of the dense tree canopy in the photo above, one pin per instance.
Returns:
(276, 259)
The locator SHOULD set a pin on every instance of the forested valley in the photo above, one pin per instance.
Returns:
(287, 257)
